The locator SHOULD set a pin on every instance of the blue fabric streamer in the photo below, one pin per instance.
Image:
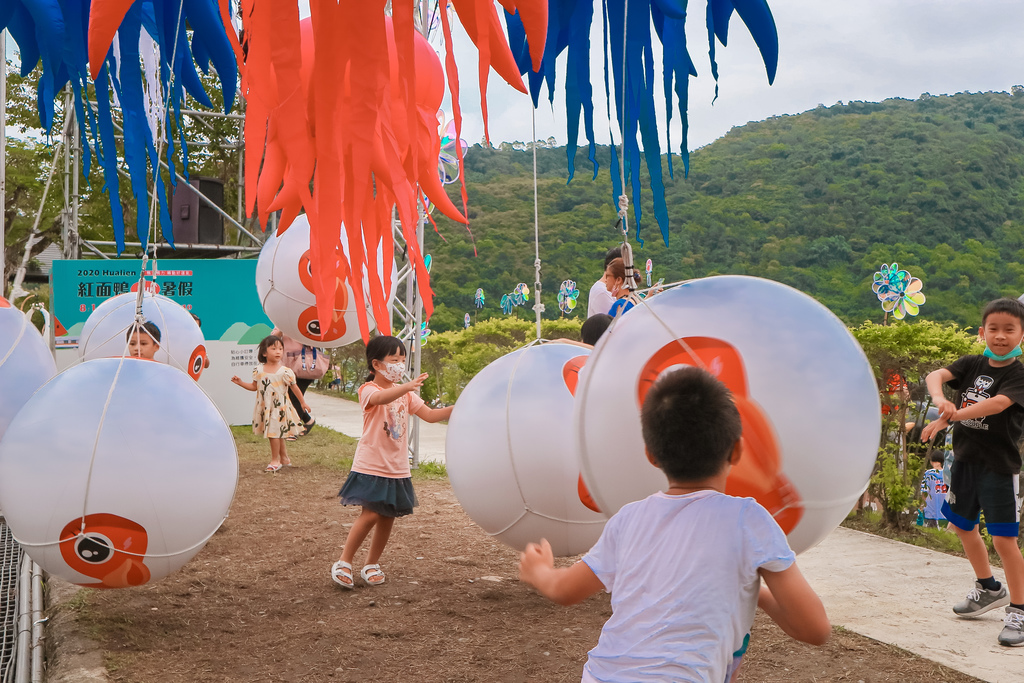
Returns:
(55, 32)
(569, 24)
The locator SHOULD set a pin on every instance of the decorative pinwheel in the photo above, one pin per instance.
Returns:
(424, 332)
(427, 262)
(448, 160)
(907, 302)
(507, 304)
(521, 294)
(467, 321)
(899, 292)
(479, 300)
(650, 269)
(567, 295)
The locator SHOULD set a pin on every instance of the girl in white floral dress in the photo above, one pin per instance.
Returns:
(274, 417)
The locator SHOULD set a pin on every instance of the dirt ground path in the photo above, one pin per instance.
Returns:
(257, 604)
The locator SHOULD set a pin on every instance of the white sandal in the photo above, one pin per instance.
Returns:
(371, 573)
(341, 571)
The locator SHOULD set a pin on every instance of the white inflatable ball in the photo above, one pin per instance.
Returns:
(182, 344)
(284, 281)
(140, 505)
(806, 394)
(25, 362)
(509, 451)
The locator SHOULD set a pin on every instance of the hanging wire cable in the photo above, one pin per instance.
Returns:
(537, 305)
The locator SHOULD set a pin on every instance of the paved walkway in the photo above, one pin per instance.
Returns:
(886, 590)
(344, 416)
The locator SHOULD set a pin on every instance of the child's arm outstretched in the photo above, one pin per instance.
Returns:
(251, 386)
(935, 380)
(792, 604)
(564, 585)
(428, 414)
(388, 395)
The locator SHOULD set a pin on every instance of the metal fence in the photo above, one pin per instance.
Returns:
(10, 569)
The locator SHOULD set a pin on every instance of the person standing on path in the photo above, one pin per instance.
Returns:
(987, 427)
(308, 364)
(600, 299)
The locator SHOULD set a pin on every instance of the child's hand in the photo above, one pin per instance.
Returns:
(414, 384)
(946, 408)
(236, 379)
(534, 560)
(305, 406)
(933, 428)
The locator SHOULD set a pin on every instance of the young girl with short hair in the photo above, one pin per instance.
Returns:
(380, 480)
(273, 416)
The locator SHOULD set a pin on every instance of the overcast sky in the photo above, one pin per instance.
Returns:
(830, 50)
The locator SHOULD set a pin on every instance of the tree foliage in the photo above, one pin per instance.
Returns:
(817, 200)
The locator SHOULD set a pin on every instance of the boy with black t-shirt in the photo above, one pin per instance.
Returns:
(989, 424)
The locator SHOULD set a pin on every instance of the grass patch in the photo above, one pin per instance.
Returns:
(430, 470)
(943, 540)
(322, 446)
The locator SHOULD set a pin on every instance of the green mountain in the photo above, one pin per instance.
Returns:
(817, 200)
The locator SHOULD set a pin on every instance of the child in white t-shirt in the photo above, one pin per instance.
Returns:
(684, 567)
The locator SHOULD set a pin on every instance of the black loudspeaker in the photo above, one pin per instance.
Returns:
(194, 221)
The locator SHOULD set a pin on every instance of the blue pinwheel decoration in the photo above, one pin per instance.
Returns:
(521, 294)
(479, 300)
(424, 333)
(898, 291)
(507, 304)
(567, 295)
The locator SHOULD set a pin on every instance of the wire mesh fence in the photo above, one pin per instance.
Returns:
(10, 565)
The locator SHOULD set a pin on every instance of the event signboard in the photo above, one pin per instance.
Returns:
(220, 292)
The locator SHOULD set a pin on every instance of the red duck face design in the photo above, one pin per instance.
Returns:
(571, 377)
(758, 474)
(108, 548)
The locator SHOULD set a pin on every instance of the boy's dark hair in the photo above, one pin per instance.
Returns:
(593, 327)
(268, 341)
(1005, 305)
(611, 255)
(690, 424)
(380, 348)
(937, 456)
(148, 328)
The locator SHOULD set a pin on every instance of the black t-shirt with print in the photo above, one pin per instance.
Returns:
(993, 440)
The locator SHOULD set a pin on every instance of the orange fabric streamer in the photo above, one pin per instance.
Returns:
(348, 99)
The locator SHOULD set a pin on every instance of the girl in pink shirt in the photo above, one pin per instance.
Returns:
(380, 480)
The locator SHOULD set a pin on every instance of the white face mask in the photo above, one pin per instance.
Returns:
(392, 372)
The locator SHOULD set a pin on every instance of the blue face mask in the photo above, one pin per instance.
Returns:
(1012, 354)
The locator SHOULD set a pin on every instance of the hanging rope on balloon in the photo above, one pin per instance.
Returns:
(537, 305)
(527, 510)
(622, 223)
(137, 324)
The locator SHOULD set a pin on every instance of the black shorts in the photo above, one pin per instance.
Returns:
(974, 488)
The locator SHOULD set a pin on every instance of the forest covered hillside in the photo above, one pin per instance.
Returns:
(817, 200)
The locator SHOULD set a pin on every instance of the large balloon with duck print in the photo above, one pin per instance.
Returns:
(116, 472)
(510, 455)
(182, 345)
(284, 281)
(805, 392)
(25, 362)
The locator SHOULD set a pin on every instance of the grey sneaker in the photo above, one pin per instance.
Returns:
(1012, 634)
(980, 600)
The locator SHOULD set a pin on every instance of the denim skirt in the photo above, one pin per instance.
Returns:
(386, 496)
